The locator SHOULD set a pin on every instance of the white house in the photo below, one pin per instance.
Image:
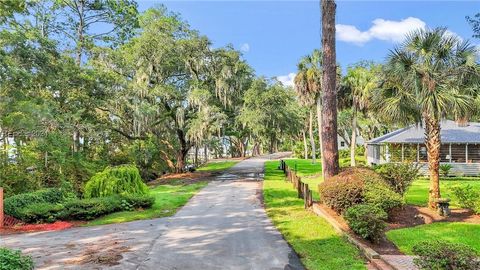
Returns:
(460, 147)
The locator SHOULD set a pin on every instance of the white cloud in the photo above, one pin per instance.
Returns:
(393, 31)
(287, 80)
(245, 47)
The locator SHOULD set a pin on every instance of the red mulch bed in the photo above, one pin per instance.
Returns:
(56, 226)
(182, 178)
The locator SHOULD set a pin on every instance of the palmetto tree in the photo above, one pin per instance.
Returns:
(361, 80)
(308, 85)
(430, 76)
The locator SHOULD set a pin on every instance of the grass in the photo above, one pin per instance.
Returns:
(418, 192)
(217, 166)
(456, 232)
(168, 199)
(316, 242)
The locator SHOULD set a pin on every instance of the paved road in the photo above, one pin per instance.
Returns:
(223, 227)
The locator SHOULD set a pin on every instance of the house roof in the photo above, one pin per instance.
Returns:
(450, 132)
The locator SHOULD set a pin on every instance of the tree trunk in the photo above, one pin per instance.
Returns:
(433, 142)
(353, 141)
(196, 155)
(305, 146)
(205, 153)
(329, 99)
(312, 140)
(319, 122)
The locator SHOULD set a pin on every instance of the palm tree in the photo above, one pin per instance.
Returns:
(430, 76)
(361, 81)
(308, 88)
(329, 99)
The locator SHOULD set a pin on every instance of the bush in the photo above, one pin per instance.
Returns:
(435, 254)
(13, 205)
(355, 186)
(367, 220)
(137, 201)
(467, 197)
(14, 260)
(445, 169)
(88, 209)
(380, 194)
(342, 191)
(399, 176)
(121, 180)
(40, 212)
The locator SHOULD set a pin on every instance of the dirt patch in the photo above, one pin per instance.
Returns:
(183, 178)
(109, 253)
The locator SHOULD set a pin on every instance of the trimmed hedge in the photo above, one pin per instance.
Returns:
(121, 180)
(13, 205)
(14, 260)
(399, 176)
(40, 212)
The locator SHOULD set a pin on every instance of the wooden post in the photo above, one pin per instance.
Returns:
(299, 187)
(1, 208)
(305, 195)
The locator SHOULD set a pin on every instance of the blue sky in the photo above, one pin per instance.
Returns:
(274, 35)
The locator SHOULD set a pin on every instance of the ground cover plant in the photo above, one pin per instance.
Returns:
(435, 254)
(14, 260)
(316, 242)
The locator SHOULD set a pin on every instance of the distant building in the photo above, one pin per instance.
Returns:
(460, 147)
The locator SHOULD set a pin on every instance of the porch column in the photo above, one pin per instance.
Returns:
(387, 154)
(450, 152)
(418, 152)
(403, 151)
(466, 153)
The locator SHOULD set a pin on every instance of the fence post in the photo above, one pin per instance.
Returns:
(1, 208)
(305, 195)
(299, 187)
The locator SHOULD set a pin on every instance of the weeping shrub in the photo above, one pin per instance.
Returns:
(123, 180)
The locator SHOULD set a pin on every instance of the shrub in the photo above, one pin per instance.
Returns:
(139, 201)
(13, 259)
(399, 176)
(355, 186)
(40, 212)
(13, 205)
(445, 169)
(380, 194)
(121, 180)
(435, 254)
(88, 209)
(467, 197)
(367, 220)
(341, 192)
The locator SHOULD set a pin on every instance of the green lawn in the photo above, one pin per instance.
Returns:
(465, 233)
(316, 242)
(418, 192)
(217, 166)
(168, 199)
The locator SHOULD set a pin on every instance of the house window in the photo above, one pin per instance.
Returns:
(474, 153)
(422, 153)
(445, 153)
(342, 144)
(395, 150)
(458, 153)
(410, 152)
